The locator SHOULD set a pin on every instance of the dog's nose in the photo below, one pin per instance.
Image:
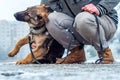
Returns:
(19, 17)
(15, 15)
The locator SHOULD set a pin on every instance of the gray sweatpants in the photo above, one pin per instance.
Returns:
(85, 25)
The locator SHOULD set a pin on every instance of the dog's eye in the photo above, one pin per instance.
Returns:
(39, 17)
(28, 14)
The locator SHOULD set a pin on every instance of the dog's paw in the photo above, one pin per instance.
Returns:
(23, 61)
(11, 54)
(59, 60)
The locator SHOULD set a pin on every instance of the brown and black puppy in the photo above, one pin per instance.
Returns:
(36, 17)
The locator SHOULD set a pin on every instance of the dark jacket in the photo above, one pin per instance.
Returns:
(73, 7)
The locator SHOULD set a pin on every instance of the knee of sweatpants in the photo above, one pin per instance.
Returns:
(84, 21)
(50, 25)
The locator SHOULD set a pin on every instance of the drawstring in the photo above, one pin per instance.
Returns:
(69, 8)
(58, 3)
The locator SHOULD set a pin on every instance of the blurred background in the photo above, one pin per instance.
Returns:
(11, 31)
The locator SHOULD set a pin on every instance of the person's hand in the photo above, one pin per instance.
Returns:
(91, 8)
(34, 45)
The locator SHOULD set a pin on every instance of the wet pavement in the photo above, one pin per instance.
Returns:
(10, 71)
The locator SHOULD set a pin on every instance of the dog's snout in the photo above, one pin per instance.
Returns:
(15, 15)
(19, 16)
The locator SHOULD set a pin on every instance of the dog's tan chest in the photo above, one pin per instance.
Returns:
(39, 39)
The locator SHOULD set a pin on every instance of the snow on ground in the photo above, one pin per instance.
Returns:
(10, 71)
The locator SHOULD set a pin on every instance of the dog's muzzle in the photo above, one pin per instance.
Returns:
(19, 16)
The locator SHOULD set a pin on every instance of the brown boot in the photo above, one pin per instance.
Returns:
(107, 56)
(76, 55)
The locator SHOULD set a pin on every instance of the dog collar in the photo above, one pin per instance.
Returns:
(38, 31)
(39, 27)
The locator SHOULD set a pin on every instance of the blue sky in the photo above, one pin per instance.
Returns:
(9, 7)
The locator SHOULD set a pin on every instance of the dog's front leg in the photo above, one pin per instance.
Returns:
(17, 46)
(38, 53)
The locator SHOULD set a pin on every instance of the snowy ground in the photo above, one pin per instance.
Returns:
(10, 71)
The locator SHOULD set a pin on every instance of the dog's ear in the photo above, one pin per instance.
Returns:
(45, 6)
(48, 8)
(45, 10)
(45, 17)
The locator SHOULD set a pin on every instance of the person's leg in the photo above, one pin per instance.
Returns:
(58, 26)
(86, 26)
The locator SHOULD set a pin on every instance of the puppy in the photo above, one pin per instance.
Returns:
(47, 49)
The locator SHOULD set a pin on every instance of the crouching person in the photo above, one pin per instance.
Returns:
(79, 15)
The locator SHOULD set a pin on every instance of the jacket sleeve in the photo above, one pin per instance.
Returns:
(44, 2)
(105, 6)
